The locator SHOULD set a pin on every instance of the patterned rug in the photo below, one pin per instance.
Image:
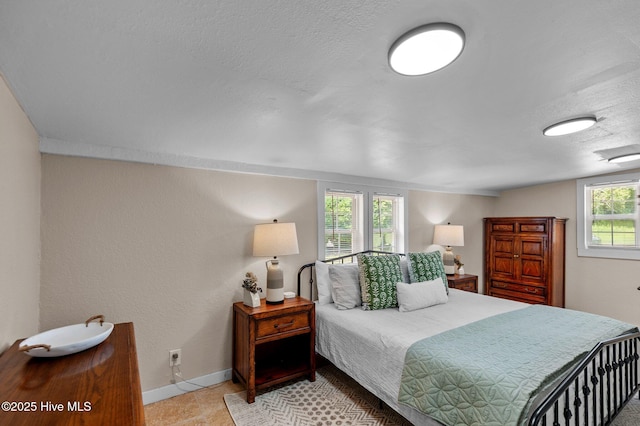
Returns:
(336, 399)
(333, 399)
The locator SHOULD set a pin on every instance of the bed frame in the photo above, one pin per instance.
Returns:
(592, 393)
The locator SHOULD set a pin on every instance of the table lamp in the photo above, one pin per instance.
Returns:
(448, 235)
(275, 239)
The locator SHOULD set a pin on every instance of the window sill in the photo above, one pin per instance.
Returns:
(610, 253)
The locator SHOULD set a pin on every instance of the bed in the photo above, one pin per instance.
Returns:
(380, 347)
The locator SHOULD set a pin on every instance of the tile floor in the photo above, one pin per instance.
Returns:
(206, 407)
(202, 407)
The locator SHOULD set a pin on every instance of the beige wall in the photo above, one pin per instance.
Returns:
(167, 247)
(163, 247)
(19, 222)
(602, 286)
(427, 209)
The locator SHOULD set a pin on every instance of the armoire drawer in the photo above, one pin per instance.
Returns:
(517, 295)
(519, 288)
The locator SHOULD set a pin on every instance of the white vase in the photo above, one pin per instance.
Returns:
(251, 299)
(461, 271)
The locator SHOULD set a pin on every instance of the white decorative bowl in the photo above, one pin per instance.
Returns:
(67, 340)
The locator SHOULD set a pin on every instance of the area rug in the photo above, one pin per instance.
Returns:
(333, 399)
(336, 399)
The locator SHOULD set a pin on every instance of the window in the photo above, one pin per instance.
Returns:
(343, 223)
(356, 218)
(388, 222)
(608, 216)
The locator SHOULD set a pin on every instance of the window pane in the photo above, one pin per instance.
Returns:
(388, 223)
(383, 241)
(614, 215)
(601, 201)
(613, 233)
(342, 223)
(613, 200)
(627, 200)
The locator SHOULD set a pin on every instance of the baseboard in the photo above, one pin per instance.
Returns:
(169, 391)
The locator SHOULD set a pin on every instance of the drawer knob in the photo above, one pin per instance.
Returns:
(289, 324)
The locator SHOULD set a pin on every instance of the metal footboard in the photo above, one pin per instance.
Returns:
(597, 389)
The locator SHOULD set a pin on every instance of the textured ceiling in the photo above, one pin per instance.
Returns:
(303, 88)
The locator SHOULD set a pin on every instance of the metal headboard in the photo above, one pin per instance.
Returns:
(341, 259)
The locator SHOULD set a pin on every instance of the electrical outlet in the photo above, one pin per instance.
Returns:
(175, 357)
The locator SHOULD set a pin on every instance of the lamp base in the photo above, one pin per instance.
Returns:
(275, 295)
(275, 283)
(447, 260)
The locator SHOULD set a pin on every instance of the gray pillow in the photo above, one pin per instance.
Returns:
(345, 286)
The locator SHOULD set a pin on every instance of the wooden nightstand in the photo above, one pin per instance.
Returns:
(273, 343)
(465, 282)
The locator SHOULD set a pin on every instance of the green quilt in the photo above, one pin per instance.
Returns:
(487, 372)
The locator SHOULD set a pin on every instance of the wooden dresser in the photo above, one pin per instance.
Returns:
(98, 386)
(524, 259)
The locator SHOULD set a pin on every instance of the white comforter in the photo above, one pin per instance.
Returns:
(370, 346)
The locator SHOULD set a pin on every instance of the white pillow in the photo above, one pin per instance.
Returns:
(421, 295)
(345, 285)
(323, 281)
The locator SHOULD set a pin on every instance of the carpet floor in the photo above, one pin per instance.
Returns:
(335, 399)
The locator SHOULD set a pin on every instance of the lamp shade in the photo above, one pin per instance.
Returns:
(449, 235)
(275, 239)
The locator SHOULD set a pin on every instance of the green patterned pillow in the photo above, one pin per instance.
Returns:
(427, 267)
(378, 278)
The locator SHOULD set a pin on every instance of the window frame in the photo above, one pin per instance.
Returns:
(583, 216)
(398, 232)
(357, 215)
(369, 193)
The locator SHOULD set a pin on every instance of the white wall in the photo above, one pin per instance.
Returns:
(19, 222)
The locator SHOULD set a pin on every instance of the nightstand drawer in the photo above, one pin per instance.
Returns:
(466, 282)
(467, 286)
(271, 326)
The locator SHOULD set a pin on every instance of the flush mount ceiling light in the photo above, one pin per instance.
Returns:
(624, 158)
(569, 126)
(426, 49)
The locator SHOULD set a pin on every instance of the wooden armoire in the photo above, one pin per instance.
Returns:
(524, 259)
